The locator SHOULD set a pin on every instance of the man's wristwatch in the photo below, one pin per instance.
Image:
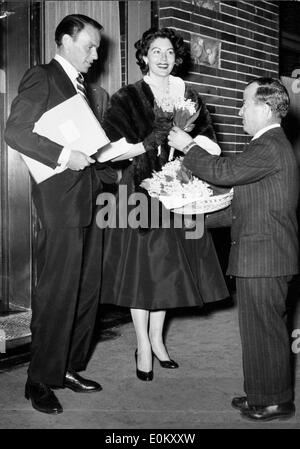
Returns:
(188, 146)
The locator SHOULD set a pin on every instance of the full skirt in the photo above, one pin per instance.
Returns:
(160, 269)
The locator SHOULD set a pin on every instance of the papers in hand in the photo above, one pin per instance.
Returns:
(113, 150)
(71, 124)
(116, 149)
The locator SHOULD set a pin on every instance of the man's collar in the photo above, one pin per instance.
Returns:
(264, 130)
(67, 66)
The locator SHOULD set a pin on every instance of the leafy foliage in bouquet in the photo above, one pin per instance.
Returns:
(184, 174)
(184, 193)
(182, 111)
(175, 179)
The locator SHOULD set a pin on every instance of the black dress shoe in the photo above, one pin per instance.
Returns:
(170, 364)
(42, 398)
(268, 413)
(79, 384)
(240, 403)
(142, 375)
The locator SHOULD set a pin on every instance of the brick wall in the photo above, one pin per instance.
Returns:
(248, 35)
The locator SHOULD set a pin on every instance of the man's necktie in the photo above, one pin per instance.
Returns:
(81, 86)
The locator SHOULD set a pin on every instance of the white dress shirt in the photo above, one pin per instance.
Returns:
(264, 130)
(72, 73)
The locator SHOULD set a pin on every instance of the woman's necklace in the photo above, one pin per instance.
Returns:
(160, 92)
(164, 96)
(165, 93)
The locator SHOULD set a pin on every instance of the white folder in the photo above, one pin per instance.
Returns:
(71, 124)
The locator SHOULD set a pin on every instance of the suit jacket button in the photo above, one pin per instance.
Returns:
(233, 242)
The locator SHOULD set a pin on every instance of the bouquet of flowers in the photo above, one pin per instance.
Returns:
(179, 190)
(183, 112)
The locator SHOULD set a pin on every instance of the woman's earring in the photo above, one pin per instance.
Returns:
(145, 59)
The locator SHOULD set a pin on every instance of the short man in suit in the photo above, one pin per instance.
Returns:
(264, 246)
(69, 244)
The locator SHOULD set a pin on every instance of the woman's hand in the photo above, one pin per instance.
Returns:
(178, 138)
(156, 137)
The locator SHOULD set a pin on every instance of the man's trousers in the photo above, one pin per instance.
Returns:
(265, 339)
(65, 302)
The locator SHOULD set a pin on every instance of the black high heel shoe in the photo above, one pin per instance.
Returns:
(170, 364)
(142, 375)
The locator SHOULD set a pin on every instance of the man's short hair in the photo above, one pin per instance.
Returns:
(272, 92)
(72, 25)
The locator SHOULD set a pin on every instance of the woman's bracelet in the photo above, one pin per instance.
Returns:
(188, 146)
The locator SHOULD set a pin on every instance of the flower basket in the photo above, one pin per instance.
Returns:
(183, 193)
(206, 205)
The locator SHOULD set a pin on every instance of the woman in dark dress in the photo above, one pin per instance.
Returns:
(153, 269)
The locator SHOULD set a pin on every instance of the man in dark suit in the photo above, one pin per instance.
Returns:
(264, 246)
(69, 244)
(98, 99)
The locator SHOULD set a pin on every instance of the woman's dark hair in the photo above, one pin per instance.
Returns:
(272, 92)
(143, 45)
(72, 25)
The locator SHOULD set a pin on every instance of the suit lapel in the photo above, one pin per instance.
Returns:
(61, 81)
